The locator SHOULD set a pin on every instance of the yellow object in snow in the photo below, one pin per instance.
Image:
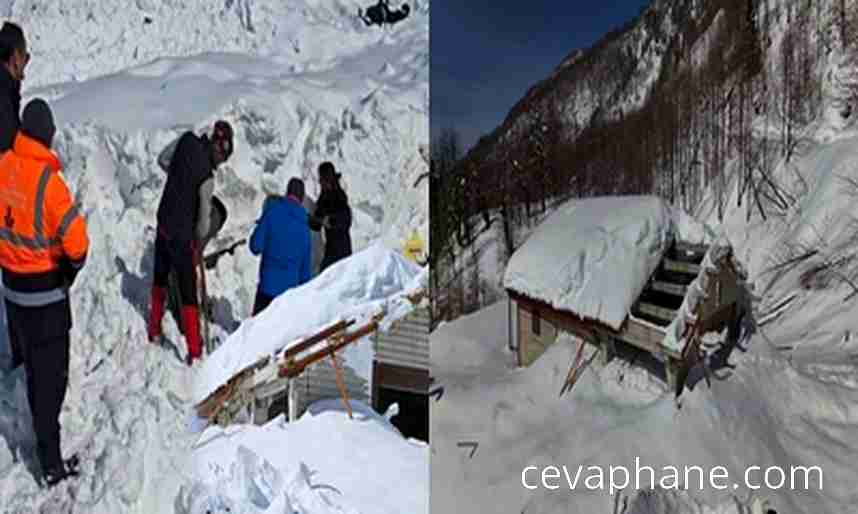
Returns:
(414, 247)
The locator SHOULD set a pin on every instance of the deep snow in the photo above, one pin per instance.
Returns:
(323, 463)
(308, 83)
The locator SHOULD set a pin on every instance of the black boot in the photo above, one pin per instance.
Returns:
(68, 468)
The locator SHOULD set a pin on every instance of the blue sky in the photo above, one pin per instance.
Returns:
(485, 55)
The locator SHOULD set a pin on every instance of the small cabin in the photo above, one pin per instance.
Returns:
(693, 288)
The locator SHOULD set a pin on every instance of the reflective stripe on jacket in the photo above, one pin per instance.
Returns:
(40, 225)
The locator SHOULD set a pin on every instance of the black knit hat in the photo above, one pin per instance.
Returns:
(327, 171)
(296, 188)
(37, 121)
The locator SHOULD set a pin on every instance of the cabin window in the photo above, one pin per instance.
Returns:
(537, 329)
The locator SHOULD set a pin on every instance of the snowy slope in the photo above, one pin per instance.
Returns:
(789, 401)
(307, 84)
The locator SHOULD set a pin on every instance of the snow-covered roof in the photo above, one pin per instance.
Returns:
(354, 288)
(594, 256)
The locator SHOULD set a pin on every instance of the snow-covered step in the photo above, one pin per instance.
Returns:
(691, 251)
(654, 311)
(669, 288)
(676, 266)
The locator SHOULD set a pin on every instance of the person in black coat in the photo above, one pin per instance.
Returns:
(334, 215)
(14, 58)
(184, 216)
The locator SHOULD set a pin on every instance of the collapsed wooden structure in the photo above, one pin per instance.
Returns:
(705, 294)
(270, 377)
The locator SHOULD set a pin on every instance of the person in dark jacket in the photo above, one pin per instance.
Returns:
(14, 56)
(184, 215)
(334, 215)
(44, 247)
(282, 237)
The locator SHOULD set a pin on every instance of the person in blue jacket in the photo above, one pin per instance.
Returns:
(282, 237)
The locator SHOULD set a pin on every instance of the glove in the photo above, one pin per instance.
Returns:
(69, 271)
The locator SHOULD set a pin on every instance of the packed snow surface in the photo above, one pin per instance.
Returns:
(301, 83)
(593, 256)
(354, 288)
(324, 463)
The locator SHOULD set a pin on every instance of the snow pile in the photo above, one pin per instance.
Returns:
(358, 287)
(76, 41)
(324, 463)
(689, 229)
(593, 256)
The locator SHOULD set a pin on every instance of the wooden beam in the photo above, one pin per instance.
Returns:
(316, 338)
(669, 288)
(659, 313)
(294, 368)
(681, 267)
(401, 378)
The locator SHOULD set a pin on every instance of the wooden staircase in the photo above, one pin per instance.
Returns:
(663, 295)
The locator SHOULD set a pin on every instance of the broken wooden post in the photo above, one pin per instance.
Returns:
(341, 385)
(573, 369)
(292, 400)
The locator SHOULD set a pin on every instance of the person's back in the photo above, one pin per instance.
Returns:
(284, 242)
(190, 166)
(43, 224)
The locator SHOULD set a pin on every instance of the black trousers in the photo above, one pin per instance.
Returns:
(178, 256)
(42, 337)
(261, 301)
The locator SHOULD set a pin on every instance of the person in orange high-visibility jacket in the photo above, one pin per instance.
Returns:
(43, 246)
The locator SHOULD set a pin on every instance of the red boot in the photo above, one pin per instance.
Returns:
(159, 298)
(191, 319)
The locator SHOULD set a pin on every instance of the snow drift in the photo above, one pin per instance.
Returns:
(324, 463)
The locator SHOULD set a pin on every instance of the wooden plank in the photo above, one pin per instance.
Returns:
(645, 337)
(271, 388)
(400, 338)
(690, 251)
(401, 378)
(293, 369)
(403, 346)
(660, 313)
(669, 288)
(682, 267)
(316, 338)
